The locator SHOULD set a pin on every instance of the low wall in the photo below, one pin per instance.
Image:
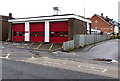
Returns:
(82, 40)
(68, 45)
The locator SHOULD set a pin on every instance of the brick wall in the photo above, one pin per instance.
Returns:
(4, 28)
(76, 27)
(98, 23)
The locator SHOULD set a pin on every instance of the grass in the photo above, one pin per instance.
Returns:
(70, 49)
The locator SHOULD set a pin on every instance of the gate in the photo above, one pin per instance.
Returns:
(37, 32)
(18, 32)
(58, 32)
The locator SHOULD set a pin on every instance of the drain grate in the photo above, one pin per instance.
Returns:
(107, 60)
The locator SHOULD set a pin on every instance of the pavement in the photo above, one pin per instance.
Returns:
(85, 67)
(12, 69)
(80, 60)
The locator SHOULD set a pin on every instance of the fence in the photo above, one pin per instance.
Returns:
(82, 40)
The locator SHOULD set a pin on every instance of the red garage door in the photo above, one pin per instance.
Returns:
(37, 32)
(18, 32)
(58, 32)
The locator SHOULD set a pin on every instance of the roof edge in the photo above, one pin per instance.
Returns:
(64, 16)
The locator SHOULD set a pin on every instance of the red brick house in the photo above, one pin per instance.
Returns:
(102, 23)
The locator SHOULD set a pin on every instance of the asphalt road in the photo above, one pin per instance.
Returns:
(102, 50)
(12, 69)
(20, 70)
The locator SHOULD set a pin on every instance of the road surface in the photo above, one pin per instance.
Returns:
(20, 70)
(102, 50)
(14, 69)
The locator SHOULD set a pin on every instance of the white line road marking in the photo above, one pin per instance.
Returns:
(32, 57)
(104, 70)
(94, 68)
(7, 55)
(64, 63)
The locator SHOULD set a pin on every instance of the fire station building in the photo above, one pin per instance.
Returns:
(52, 29)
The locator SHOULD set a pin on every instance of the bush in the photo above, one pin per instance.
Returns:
(116, 37)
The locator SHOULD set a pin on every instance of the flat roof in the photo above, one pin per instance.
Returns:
(52, 17)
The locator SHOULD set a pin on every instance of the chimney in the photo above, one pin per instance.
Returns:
(106, 17)
(10, 15)
(101, 14)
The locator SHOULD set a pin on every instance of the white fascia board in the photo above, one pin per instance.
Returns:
(50, 18)
(83, 19)
(37, 19)
(42, 21)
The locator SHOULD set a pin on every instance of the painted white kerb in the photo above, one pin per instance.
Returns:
(27, 31)
(47, 32)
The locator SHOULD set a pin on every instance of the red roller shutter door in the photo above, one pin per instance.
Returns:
(18, 32)
(37, 32)
(58, 32)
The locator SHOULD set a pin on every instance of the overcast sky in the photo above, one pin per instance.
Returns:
(32, 8)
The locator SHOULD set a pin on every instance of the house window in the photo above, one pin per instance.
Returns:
(111, 28)
(96, 21)
(96, 27)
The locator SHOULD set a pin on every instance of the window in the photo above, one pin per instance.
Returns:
(96, 27)
(56, 32)
(65, 35)
(56, 35)
(111, 27)
(61, 32)
(18, 33)
(66, 32)
(96, 21)
(61, 35)
(52, 35)
(52, 32)
(36, 33)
